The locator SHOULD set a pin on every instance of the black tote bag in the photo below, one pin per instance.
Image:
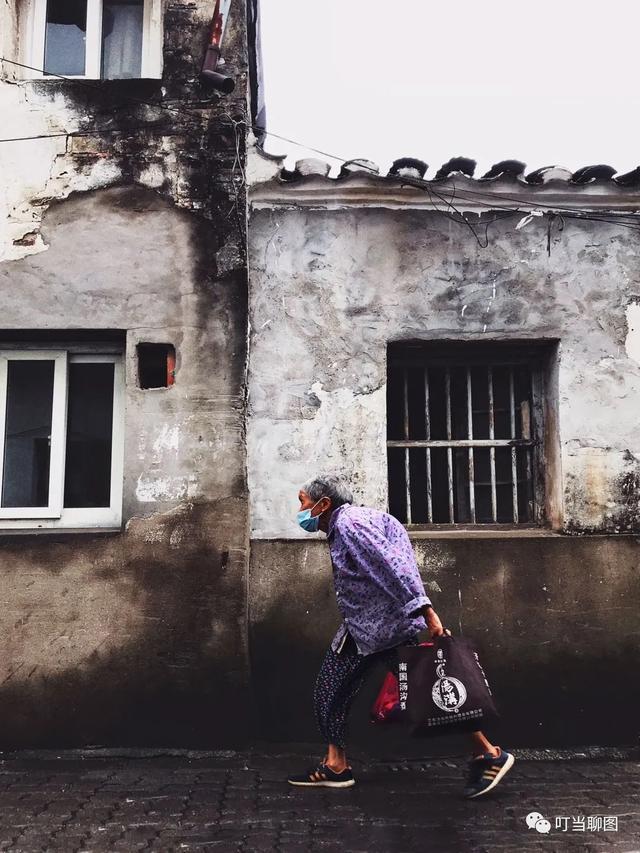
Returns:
(443, 688)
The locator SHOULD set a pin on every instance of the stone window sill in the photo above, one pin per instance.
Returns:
(486, 533)
(59, 532)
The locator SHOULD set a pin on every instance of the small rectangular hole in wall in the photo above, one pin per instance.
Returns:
(156, 365)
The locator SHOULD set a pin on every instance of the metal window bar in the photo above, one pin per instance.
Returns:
(407, 469)
(514, 457)
(527, 442)
(472, 479)
(449, 446)
(492, 450)
(427, 432)
(527, 433)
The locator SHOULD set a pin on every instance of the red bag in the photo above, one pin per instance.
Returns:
(386, 708)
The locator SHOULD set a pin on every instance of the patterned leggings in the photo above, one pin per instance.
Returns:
(341, 675)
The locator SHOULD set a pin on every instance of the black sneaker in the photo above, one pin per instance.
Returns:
(486, 771)
(323, 777)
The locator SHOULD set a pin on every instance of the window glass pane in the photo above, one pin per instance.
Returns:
(122, 39)
(28, 430)
(89, 426)
(65, 37)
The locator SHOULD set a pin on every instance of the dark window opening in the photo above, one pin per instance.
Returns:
(156, 365)
(89, 431)
(65, 37)
(464, 430)
(27, 447)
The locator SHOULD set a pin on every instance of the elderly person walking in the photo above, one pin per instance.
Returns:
(384, 605)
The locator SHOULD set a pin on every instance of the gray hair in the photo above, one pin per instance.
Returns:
(331, 486)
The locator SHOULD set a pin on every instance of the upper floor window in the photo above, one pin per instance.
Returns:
(108, 39)
(61, 438)
(466, 434)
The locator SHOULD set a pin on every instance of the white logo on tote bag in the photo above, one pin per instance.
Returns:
(448, 693)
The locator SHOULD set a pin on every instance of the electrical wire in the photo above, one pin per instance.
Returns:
(624, 220)
(142, 102)
(69, 134)
(463, 193)
(88, 84)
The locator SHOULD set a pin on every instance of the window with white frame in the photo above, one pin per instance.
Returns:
(97, 39)
(61, 435)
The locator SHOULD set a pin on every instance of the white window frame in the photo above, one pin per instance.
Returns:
(56, 515)
(151, 66)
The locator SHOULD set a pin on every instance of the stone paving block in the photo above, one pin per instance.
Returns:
(156, 805)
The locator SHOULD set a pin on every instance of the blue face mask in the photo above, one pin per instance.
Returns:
(308, 522)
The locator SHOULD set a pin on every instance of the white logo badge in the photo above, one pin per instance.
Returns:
(538, 822)
(449, 694)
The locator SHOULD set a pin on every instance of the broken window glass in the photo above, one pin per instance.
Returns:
(122, 25)
(27, 447)
(89, 431)
(65, 37)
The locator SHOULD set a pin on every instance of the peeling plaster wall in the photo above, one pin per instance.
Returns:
(632, 342)
(173, 134)
(329, 289)
(553, 615)
(130, 637)
(137, 224)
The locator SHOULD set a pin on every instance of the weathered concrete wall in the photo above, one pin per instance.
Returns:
(173, 135)
(554, 615)
(135, 637)
(330, 289)
(555, 620)
(138, 637)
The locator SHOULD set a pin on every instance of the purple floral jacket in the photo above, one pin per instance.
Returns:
(377, 582)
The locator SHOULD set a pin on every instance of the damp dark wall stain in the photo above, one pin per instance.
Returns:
(127, 639)
(554, 620)
(137, 637)
(190, 136)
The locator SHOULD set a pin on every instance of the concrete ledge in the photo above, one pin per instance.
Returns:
(493, 533)
(584, 753)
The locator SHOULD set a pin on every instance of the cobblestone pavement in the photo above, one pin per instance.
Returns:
(239, 802)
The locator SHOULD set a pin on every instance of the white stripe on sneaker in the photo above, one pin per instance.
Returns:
(508, 764)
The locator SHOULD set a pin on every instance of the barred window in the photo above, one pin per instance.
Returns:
(464, 433)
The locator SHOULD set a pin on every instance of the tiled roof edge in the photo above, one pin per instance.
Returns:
(505, 170)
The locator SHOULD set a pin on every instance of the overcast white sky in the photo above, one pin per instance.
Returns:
(544, 81)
